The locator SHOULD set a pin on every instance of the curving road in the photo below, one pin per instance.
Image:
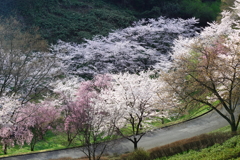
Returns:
(159, 137)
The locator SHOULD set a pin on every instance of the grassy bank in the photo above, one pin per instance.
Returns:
(228, 150)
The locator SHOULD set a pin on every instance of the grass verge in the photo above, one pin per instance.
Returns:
(230, 149)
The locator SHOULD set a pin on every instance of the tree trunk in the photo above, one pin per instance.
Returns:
(233, 128)
(69, 141)
(233, 123)
(135, 142)
(162, 120)
(5, 149)
(32, 145)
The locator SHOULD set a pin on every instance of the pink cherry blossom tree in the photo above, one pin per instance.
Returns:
(84, 118)
(66, 93)
(38, 118)
(14, 134)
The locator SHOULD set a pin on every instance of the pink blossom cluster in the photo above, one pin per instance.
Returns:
(25, 122)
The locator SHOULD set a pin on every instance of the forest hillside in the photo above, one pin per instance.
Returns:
(74, 20)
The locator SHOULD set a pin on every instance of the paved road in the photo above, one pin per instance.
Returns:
(204, 124)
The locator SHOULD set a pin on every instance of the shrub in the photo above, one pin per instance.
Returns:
(139, 154)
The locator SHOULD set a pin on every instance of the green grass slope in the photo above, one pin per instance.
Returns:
(228, 150)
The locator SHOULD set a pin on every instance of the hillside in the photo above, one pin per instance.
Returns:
(74, 20)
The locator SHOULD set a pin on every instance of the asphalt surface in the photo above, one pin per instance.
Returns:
(159, 137)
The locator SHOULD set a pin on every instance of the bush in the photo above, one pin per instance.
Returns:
(139, 154)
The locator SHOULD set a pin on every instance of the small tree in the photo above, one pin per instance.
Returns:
(96, 132)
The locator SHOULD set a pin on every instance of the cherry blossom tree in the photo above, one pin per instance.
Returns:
(206, 68)
(97, 129)
(84, 119)
(26, 65)
(18, 134)
(95, 119)
(38, 118)
(143, 45)
(66, 94)
(133, 101)
(8, 106)
(11, 131)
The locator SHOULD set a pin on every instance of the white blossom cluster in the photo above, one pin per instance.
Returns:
(8, 106)
(228, 27)
(26, 73)
(144, 45)
(134, 96)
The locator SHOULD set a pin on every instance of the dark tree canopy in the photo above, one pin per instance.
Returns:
(74, 20)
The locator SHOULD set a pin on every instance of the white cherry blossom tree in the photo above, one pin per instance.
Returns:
(133, 103)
